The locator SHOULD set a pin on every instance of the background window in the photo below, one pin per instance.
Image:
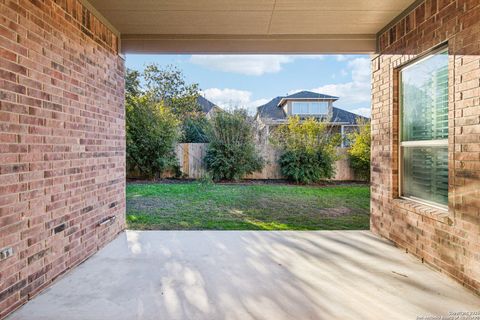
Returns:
(310, 108)
(424, 129)
(299, 107)
(347, 130)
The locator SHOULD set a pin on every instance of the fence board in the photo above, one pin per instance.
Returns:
(192, 165)
(190, 157)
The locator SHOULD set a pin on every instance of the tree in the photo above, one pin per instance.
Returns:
(309, 149)
(231, 152)
(152, 132)
(157, 101)
(194, 129)
(169, 87)
(132, 84)
(359, 152)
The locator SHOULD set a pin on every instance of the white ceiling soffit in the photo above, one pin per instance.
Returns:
(249, 26)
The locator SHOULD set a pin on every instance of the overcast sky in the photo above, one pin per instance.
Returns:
(252, 80)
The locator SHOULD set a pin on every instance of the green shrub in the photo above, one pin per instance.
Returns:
(359, 152)
(194, 129)
(152, 132)
(306, 167)
(309, 150)
(231, 151)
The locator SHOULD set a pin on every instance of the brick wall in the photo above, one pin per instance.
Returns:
(61, 140)
(448, 241)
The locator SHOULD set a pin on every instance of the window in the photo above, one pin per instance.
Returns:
(346, 131)
(424, 129)
(310, 108)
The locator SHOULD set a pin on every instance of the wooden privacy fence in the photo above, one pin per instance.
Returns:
(191, 155)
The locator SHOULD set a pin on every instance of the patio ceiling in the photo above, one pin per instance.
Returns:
(267, 26)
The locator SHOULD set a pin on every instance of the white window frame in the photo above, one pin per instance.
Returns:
(308, 103)
(415, 143)
(343, 133)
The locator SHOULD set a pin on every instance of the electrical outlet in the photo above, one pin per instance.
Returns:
(6, 253)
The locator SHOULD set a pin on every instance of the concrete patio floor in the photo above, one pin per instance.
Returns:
(249, 275)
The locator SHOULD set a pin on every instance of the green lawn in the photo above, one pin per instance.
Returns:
(194, 206)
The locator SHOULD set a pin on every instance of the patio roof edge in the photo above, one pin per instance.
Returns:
(248, 44)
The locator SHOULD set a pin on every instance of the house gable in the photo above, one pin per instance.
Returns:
(280, 108)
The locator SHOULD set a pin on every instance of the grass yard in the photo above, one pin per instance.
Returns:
(195, 206)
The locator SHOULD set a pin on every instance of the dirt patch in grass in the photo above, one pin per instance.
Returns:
(153, 204)
(337, 212)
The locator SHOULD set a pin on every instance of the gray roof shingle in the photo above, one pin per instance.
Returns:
(271, 110)
(205, 104)
(340, 115)
(309, 95)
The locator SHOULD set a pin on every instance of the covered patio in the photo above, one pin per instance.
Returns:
(250, 275)
(64, 251)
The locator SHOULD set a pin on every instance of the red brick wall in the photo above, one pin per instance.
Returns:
(449, 241)
(61, 140)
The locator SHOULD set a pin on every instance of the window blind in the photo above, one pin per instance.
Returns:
(424, 129)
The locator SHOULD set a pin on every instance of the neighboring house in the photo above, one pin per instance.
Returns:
(208, 107)
(306, 104)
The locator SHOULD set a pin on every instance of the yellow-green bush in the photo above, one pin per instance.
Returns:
(309, 149)
(359, 152)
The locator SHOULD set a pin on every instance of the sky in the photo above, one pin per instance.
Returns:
(249, 81)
